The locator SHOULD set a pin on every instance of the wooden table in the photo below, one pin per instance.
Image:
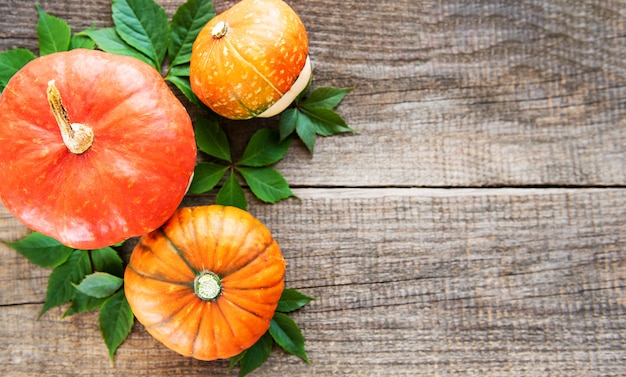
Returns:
(474, 225)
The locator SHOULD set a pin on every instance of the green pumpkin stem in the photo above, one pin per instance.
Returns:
(207, 286)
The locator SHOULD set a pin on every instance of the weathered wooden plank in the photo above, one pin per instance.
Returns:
(10, 229)
(483, 93)
(447, 94)
(441, 282)
(478, 282)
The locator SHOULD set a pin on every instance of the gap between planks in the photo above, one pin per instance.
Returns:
(369, 193)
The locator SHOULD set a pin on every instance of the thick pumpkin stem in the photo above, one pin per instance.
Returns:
(76, 137)
(219, 30)
(207, 286)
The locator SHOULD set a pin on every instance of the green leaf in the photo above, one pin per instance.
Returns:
(212, 139)
(42, 250)
(206, 176)
(109, 41)
(254, 356)
(63, 277)
(231, 194)
(180, 70)
(183, 84)
(82, 303)
(325, 97)
(292, 300)
(143, 24)
(107, 260)
(99, 284)
(12, 61)
(267, 184)
(264, 148)
(288, 335)
(53, 33)
(287, 122)
(233, 361)
(326, 121)
(186, 23)
(116, 321)
(305, 130)
(82, 40)
(314, 116)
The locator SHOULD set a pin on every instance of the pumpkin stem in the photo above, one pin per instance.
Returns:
(76, 137)
(219, 30)
(207, 286)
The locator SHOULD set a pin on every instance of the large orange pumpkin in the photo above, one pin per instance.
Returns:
(94, 148)
(207, 283)
(251, 60)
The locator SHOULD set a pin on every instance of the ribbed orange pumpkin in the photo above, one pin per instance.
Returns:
(251, 60)
(207, 283)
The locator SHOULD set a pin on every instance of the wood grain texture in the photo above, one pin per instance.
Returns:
(451, 93)
(459, 93)
(472, 282)
(474, 225)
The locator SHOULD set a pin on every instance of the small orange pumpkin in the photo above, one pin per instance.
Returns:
(206, 284)
(251, 60)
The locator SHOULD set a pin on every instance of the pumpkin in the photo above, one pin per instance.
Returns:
(251, 60)
(206, 284)
(94, 148)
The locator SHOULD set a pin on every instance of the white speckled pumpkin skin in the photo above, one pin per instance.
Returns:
(248, 57)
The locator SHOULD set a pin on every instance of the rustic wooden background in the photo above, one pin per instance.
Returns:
(475, 225)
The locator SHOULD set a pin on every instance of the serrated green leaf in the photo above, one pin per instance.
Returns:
(82, 40)
(292, 300)
(62, 279)
(326, 121)
(264, 148)
(109, 41)
(231, 194)
(82, 303)
(206, 176)
(107, 260)
(42, 250)
(288, 335)
(186, 23)
(325, 97)
(287, 122)
(212, 139)
(99, 284)
(116, 320)
(143, 24)
(267, 184)
(12, 61)
(183, 84)
(53, 33)
(255, 356)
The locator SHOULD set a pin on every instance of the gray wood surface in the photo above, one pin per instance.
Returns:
(475, 225)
